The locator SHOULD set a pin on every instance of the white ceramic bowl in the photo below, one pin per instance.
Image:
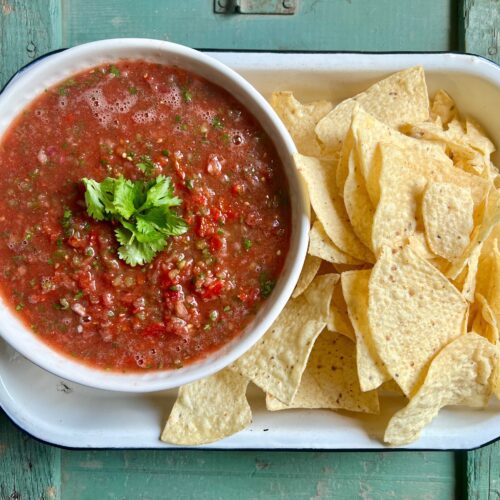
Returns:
(47, 72)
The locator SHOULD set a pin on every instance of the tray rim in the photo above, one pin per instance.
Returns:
(63, 443)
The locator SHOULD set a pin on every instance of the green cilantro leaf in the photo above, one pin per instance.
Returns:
(161, 194)
(124, 197)
(142, 212)
(175, 225)
(137, 253)
(94, 199)
(146, 164)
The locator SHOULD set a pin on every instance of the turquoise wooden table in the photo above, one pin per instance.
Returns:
(30, 469)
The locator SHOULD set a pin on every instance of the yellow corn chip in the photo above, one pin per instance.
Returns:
(487, 278)
(461, 374)
(413, 311)
(395, 218)
(477, 139)
(454, 140)
(338, 319)
(371, 370)
(426, 158)
(277, 361)
(447, 212)
(493, 294)
(466, 281)
(496, 378)
(343, 164)
(208, 410)
(418, 243)
(309, 271)
(342, 268)
(390, 388)
(443, 107)
(300, 120)
(320, 245)
(492, 241)
(330, 379)
(328, 206)
(398, 99)
(485, 322)
(358, 205)
(490, 218)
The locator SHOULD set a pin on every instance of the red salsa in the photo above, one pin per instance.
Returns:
(61, 269)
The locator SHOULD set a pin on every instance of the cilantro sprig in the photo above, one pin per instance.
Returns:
(142, 211)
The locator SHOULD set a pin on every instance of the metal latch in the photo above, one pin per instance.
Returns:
(281, 7)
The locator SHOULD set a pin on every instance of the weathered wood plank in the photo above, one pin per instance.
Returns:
(27, 30)
(383, 25)
(28, 468)
(483, 473)
(256, 474)
(481, 28)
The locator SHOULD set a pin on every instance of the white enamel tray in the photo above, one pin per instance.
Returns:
(67, 414)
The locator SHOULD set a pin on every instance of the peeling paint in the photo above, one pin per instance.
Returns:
(6, 8)
(51, 492)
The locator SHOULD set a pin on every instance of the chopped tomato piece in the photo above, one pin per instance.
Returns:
(212, 290)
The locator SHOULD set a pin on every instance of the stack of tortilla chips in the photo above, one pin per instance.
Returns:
(401, 286)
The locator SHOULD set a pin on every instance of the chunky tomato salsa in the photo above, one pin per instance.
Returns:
(145, 217)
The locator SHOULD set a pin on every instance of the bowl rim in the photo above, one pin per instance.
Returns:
(35, 349)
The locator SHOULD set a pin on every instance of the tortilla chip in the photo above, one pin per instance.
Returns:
(485, 321)
(338, 319)
(358, 205)
(490, 218)
(493, 293)
(330, 379)
(477, 139)
(342, 268)
(461, 374)
(277, 361)
(488, 271)
(447, 212)
(300, 120)
(395, 218)
(309, 271)
(398, 99)
(342, 170)
(496, 379)
(492, 242)
(390, 388)
(208, 410)
(413, 312)
(320, 245)
(371, 370)
(418, 243)
(329, 207)
(454, 140)
(443, 107)
(427, 158)
(466, 281)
